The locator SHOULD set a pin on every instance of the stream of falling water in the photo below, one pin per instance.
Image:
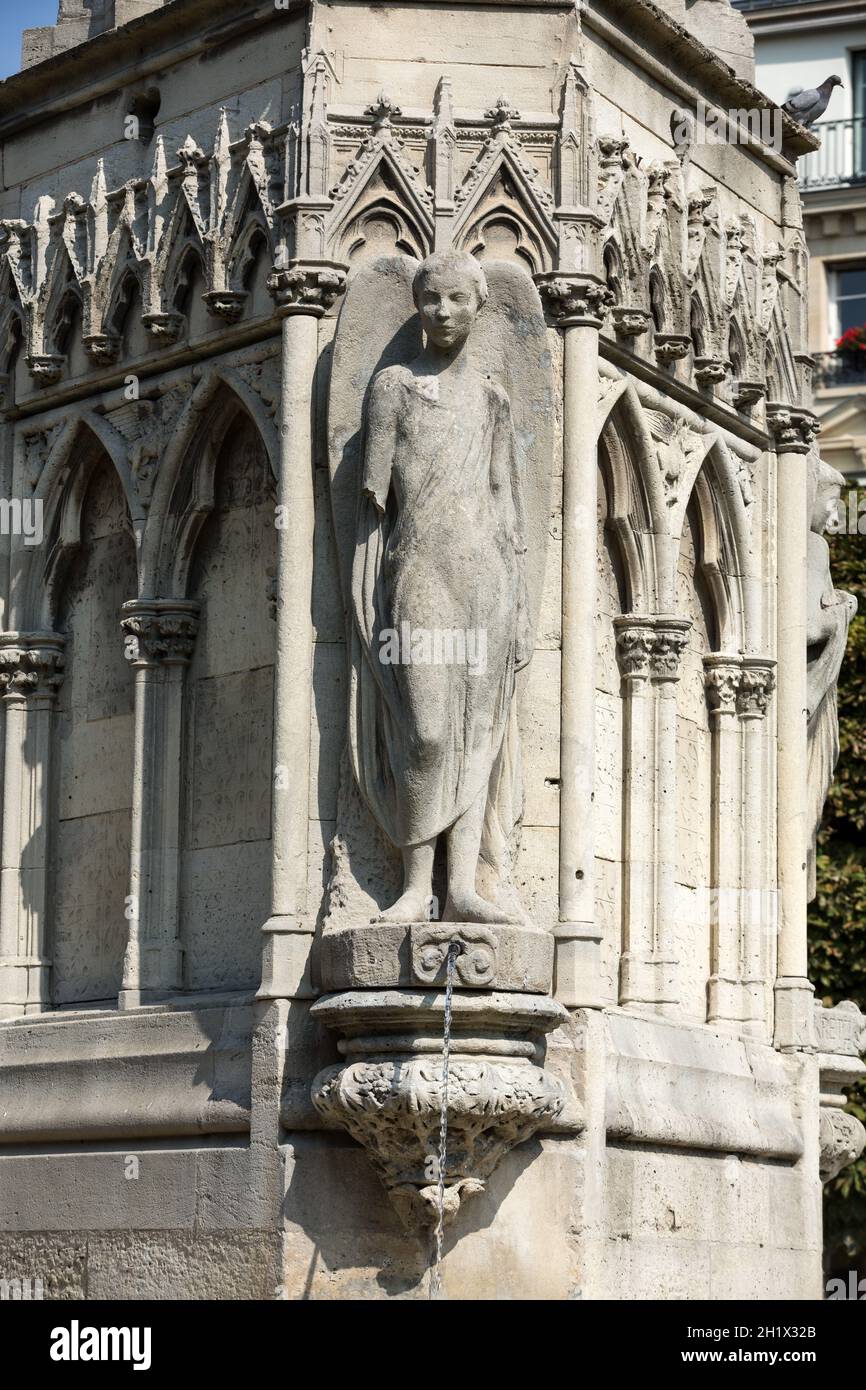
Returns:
(454, 950)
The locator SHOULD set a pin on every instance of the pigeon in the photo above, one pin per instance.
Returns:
(809, 106)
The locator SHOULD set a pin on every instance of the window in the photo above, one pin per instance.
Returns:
(858, 74)
(847, 299)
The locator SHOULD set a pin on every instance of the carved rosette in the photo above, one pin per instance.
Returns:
(159, 632)
(649, 648)
(476, 966)
(572, 301)
(31, 665)
(388, 1092)
(307, 287)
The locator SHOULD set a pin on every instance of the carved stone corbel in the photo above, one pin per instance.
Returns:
(840, 1035)
(388, 1090)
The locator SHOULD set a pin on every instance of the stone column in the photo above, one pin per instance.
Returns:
(758, 915)
(302, 293)
(738, 689)
(159, 637)
(31, 671)
(575, 306)
(648, 649)
(722, 682)
(792, 431)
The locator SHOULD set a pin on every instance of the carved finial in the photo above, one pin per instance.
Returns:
(382, 111)
(443, 108)
(159, 167)
(99, 187)
(189, 153)
(99, 204)
(502, 113)
(442, 142)
(220, 168)
(576, 156)
(317, 132)
(223, 138)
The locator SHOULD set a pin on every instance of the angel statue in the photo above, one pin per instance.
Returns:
(829, 613)
(440, 615)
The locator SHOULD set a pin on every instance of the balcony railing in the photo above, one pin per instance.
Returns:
(841, 158)
(838, 369)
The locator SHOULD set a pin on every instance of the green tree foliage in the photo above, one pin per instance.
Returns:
(837, 919)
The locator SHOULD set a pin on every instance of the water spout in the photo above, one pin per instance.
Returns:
(454, 950)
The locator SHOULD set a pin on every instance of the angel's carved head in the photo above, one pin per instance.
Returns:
(825, 488)
(449, 289)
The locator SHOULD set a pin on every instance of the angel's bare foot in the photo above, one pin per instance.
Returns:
(411, 906)
(471, 907)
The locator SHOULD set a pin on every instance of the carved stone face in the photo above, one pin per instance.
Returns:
(825, 510)
(448, 302)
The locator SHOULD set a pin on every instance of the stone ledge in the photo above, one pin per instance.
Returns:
(691, 1087)
(125, 1076)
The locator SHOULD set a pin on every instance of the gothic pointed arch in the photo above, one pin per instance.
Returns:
(223, 516)
(183, 492)
(61, 490)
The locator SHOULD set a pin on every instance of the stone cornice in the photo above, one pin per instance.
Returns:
(178, 30)
(157, 41)
(637, 26)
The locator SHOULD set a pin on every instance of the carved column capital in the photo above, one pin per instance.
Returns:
(671, 635)
(649, 647)
(159, 631)
(634, 640)
(738, 684)
(757, 683)
(31, 665)
(307, 287)
(572, 300)
(793, 430)
(722, 683)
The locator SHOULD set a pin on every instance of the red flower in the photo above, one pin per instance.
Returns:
(852, 340)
